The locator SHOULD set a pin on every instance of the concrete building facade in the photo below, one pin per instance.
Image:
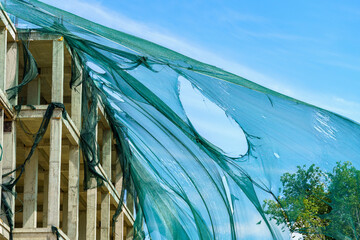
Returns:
(51, 192)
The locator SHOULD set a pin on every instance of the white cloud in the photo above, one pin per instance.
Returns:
(95, 11)
(344, 107)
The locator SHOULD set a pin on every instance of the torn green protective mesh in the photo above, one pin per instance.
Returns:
(187, 187)
(30, 71)
(8, 193)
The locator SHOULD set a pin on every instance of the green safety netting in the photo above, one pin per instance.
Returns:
(298, 177)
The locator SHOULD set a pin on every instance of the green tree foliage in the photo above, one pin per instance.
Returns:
(345, 201)
(302, 202)
(317, 204)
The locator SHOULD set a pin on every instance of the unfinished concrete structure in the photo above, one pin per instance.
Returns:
(50, 193)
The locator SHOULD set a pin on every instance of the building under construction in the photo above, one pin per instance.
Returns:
(50, 193)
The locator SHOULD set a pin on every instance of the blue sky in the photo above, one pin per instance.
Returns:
(307, 49)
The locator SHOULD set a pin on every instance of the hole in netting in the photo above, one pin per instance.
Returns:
(211, 122)
(95, 67)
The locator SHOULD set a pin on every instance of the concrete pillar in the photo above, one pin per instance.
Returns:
(130, 202)
(106, 152)
(119, 224)
(11, 79)
(91, 206)
(9, 158)
(76, 106)
(119, 227)
(12, 68)
(57, 71)
(118, 174)
(3, 50)
(105, 197)
(73, 211)
(91, 210)
(9, 135)
(55, 135)
(74, 168)
(30, 190)
(54, 172)
(1, 143)
(45, 199)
